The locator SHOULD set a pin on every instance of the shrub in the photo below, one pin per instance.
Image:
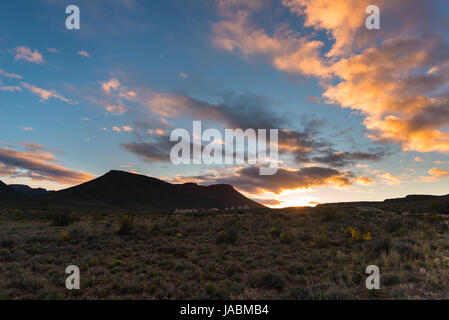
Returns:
(378, 246)
(393, 226)
(286, 238)
(319, 240)
(126, 225)
(406, 249)
(328, 214)
(228, 236)
(65, 236)
(267, 281)
(77, 232)
(297, 268)
(275, 233)
(357, 235)
(390, 279)
(60, 219)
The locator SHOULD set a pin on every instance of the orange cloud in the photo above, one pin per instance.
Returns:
(439, 172)
(38, 166)
(399, 84)
(365, 181)
(286, 50)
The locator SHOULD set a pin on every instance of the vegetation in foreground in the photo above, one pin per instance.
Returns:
(309, 253)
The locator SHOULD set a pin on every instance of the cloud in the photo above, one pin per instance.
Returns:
(313, 99)
(435, 175)
(124, 129)
(397, 79)
(25, 53)
(10, 88)
(438, 172)
(249, 180)
(401, 104)
(36, 147)
(390, 179)
(341, 18)
(44, 94)
(156, 150)
(365, 181)
(286, 50)
(10, 75)
(116, 109)
(38, 165)
(110, 85)
(342, 159)
(83, 53)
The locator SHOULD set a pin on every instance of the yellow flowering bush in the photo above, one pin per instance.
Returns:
(357, 235)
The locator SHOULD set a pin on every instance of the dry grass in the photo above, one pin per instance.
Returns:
(284, 254)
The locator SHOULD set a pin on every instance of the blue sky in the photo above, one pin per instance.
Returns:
(237, 58)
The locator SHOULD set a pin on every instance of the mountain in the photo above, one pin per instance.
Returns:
(410, 203)
(7, 193)
(28, 191)
(413, 198)
(127, 190)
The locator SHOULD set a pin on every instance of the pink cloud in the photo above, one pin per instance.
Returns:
(44, 94)
(83, 53)
(25, 53)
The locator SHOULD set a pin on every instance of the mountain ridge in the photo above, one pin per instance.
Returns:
(7, 193)
(128, 190)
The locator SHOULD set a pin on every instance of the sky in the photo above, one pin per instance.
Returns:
(362, 114)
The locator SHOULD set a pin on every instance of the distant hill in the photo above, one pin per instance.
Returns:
(410, 203)
(7, 193)
(127, 190)
(28, 191)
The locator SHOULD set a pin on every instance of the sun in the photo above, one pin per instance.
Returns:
(289, 198)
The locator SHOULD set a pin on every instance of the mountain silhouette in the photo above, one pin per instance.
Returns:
(27, 190)
(7, 193)
(127, 190)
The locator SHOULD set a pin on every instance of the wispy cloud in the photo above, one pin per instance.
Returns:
(10, 88)
(124, 129)
(39, 166)
(25, 53)
(44, 94)
(10, 75)
(84, 53)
